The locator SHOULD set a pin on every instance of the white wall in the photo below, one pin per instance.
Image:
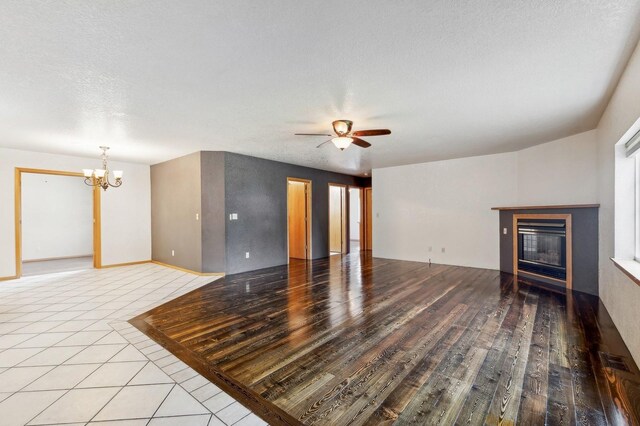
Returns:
(443, 204)
(354, 214)
(448, 203)
(564, 171)
(57, 217)
(126, 216)
(620, 295)
(126, 211)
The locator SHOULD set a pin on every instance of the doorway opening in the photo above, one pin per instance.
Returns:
(356, 221)
(57, 225)
(337, 219)
(299, 218)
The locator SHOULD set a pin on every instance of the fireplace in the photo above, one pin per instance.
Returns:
(542, 247)
(540, 230)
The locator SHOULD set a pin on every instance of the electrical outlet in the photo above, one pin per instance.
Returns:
(173, 252)
(443, 249)
(246, 255)
(233, 216)
(504, 231)
(197, 216)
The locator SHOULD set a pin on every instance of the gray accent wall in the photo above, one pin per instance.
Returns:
(256, 189)
(175, 201)
(584, 224)
(213, 211)
(216, 184)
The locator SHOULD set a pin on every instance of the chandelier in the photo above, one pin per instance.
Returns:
(100, 177)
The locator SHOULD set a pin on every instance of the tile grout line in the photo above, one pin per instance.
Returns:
(163, 400)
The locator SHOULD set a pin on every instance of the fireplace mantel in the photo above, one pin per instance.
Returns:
(561, 206)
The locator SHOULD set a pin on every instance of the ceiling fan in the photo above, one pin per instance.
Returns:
(345, 137)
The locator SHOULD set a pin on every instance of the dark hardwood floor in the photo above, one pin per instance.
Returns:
(360, 340)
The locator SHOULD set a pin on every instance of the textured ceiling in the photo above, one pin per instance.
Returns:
(159, 79)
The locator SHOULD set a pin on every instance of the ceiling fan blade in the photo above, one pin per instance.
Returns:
(375, 132)
(324, 142)
(361, 143)
(311, 134)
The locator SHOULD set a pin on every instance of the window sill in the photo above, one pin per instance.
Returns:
(631, 268)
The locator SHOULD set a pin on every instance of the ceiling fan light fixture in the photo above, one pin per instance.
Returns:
(344, 138)
(342, 127)
(342, 142)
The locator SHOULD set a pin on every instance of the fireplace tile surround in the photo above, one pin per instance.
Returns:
(582, 248)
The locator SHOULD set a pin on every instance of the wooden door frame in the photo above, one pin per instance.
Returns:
(361, 223)
(366, 240)
(308, 252)
(97, 223)
(343, 215)
(568, 282)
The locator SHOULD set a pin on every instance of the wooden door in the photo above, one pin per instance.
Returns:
(298, 194)
(337, 218)
(367, 240)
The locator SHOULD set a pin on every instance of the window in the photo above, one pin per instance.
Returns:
(627, 203)
(632, 147)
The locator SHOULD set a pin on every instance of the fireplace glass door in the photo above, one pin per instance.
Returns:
(542, 247)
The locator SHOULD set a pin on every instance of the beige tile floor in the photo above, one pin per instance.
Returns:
(68, 356)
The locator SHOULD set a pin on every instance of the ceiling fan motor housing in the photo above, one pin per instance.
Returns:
(342, 127)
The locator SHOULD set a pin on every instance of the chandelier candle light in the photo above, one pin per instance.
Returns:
(100, 177)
